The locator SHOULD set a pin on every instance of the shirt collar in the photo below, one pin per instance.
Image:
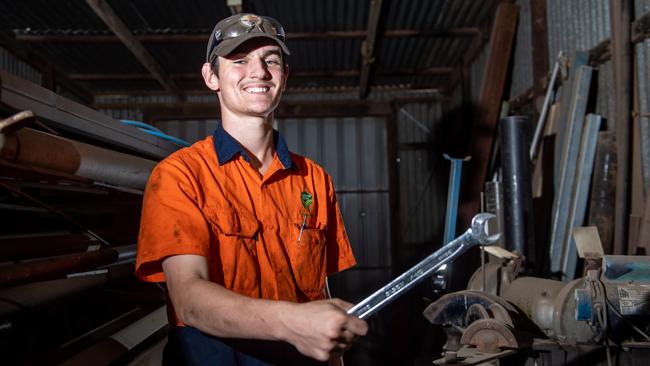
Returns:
(227, 147)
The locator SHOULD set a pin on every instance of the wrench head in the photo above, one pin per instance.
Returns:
(479, 229)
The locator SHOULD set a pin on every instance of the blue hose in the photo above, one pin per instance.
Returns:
(147, 128)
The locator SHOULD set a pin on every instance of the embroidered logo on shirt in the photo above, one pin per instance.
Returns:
(306, 199)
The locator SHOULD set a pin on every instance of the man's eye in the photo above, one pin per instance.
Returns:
(239, 62)
(273, 62)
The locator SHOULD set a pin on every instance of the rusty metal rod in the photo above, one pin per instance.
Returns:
(47, 269)
(36, 296)
(36, 245)
(40, 149)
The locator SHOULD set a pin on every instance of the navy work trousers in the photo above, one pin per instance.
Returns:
(189, 346)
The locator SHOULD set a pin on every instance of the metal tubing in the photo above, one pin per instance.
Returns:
(601, 205)
(541, 122)
(34, 296)
(36, 148)
(455, 173)
(578, 204)
(44, 245)
(567, 109)
(570, 146)
(517, 191)
(46, 269)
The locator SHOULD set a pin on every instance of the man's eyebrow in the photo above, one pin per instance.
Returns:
(273, 52)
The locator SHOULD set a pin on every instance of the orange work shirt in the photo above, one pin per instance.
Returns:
(271, 237)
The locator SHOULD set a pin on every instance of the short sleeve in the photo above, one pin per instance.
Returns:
(172, 222)
(339, 250)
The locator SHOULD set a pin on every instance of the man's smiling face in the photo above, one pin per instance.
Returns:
(252, 78)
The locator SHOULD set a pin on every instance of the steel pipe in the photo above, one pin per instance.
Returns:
(44, 245)
(46, 269)
(35, 148)
(35, 296)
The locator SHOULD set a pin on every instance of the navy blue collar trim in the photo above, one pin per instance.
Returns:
(227, 147)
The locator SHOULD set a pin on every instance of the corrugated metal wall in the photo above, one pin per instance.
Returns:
(189, 130)
(476, 71)
(576, 25)
(580, 26)
(354, 153)
(421, 196)
(12, 64)
(643, 77)
(522, 69)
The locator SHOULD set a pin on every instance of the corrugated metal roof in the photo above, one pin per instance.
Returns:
(26, 15)
(397, 59)
(170, 14)
(314, 16)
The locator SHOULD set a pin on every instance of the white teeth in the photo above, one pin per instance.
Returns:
(257, 90)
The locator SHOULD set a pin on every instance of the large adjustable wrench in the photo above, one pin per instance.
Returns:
(475, 235)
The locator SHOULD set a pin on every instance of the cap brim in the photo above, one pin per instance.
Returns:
(228, 46)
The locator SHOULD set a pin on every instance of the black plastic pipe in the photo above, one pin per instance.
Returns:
(517, 191)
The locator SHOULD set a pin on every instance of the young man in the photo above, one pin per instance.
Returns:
(243, 231)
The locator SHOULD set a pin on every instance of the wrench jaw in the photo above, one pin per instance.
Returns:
(479, 229)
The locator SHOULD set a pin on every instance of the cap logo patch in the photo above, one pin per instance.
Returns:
(251, 21)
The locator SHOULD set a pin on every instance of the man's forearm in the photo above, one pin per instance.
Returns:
(318, 329)
(216, 310)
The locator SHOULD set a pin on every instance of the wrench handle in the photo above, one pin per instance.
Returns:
(413, 276)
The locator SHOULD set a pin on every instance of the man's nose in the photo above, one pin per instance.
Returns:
(259, 70)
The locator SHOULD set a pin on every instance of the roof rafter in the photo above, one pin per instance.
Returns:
(295, 74)
(461, 32)
(115, 24)
(44, 64)
(368, 47)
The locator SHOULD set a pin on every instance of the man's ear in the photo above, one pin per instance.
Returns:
(209, 77)
(286, 76)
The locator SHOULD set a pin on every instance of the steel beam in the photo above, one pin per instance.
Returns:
(73, 117)
(368, 47)
(117, 26)
(455, 32)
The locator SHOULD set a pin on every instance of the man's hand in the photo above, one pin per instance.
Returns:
(318, 329)
(323, 329)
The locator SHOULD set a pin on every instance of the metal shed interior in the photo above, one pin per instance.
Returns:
(378, 92)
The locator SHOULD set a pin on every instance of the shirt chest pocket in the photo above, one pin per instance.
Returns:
(306, 249)
(236, 235)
